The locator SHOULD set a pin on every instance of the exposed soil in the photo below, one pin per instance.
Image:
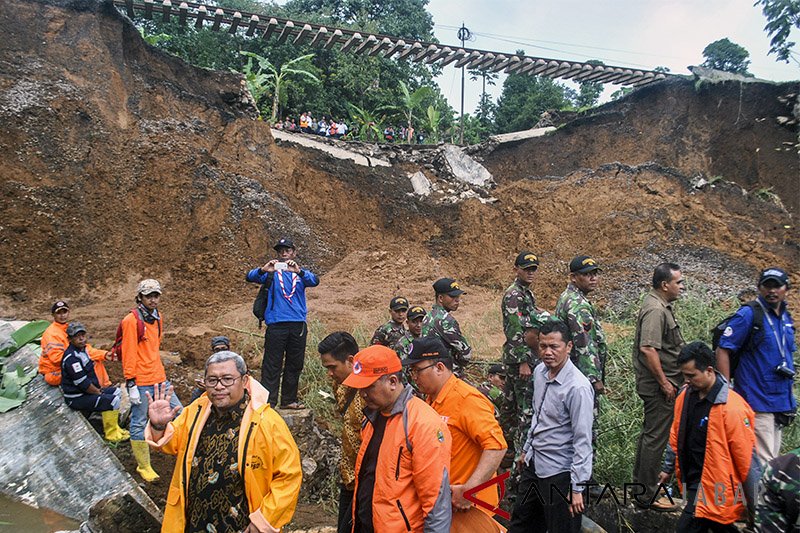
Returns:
(121, 162)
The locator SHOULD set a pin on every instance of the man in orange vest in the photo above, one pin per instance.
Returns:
(403, 465)
(55, 342)
(712, 434)
(142, 366)
(478, 442)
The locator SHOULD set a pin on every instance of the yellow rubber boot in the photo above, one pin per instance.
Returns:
(111, 428)
(141, 451)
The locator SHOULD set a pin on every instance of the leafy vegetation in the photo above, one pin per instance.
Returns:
(782, 16)
(728, 56)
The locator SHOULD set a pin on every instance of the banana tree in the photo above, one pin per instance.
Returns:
(368, 124)
(269, 77)
(409, 103)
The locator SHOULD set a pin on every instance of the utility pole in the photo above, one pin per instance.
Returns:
(464, 35)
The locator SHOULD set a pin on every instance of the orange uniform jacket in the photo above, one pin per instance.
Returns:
(730, 466)
(54, 342)
(412, 487)
(141, 360)
(470, 418)
(271, 468)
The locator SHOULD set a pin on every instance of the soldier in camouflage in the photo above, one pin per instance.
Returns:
(521, 322)
(493, 387)
(441, 323)
(778, 508)
(590, 350)
(414, 317)
(391, 332)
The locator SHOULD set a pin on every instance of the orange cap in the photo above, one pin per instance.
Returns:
(371, 363)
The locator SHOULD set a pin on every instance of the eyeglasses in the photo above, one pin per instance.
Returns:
(413, 372)
(226, 381)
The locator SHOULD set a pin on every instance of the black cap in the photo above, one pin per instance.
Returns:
(497, 369)
(526, 259)
(284, 242)
(447, 286)
(74, 328)
(398, 302)
(778, 274)
(583, 264)
(220, 340)
(415, 311)
(426, 349)
(61, 304)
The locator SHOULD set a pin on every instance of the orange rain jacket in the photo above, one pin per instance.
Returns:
(272, 474)
(54, 342)
(412, 481)
(141, 360)
(730, 468)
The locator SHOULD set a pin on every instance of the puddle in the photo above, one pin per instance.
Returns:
(19, 518)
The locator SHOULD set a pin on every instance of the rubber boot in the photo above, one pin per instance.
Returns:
(141, 451)
(111, 428)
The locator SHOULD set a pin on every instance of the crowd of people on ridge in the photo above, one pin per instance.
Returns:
(421, 446)
(338, 129)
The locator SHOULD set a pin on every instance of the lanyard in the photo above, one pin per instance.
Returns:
(283, 287)
(780, 340)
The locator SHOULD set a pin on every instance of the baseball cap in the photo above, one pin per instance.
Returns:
(426, 349)
(774, 273)
(148, 286)
(526, 259)
(370, 364)
(61, 304)
(415, 311)
(398, 302)
(284, 242)
(447, 286)
(74, 328)
(583, 264)
(220, 340)
(497, 369)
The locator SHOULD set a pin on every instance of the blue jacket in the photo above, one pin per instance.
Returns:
(77, 373)
(279, 307)
(756, 379)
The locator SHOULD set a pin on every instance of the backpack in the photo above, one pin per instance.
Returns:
(719, 330)
(261, 301)
(116, 348)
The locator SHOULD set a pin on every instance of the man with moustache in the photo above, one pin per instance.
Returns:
(414, 319)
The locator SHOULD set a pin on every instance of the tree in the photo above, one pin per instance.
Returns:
(782, 16)
(589, 91)
(728, 56)
(525, 98)
(409, 103)
(368, 125)
(268, 75)
(486, 77)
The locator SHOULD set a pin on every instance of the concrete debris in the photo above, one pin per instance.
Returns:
(44, 464)
(464, 168)
(421, 184)
(521, 135)
(339, 153)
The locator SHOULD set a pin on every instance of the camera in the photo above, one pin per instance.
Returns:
(784, 370)
(281, 266)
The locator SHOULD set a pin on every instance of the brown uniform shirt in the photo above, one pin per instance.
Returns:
(656, 327)
(351, 432)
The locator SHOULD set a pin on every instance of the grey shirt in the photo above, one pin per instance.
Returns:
(560, 437)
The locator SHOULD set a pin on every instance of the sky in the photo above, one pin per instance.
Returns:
(633, 33)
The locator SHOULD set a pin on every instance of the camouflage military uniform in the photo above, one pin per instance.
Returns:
(494, 394)
(778, 508)
(388, 334)
(403, 345)
(441, 323)
(519, 313)
(590, 350)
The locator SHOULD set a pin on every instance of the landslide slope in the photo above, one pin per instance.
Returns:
(742, 131)
(121, 162)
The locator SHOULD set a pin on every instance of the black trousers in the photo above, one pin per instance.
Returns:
(345, 522)
(688, 523)
(540, 507)
(283, 339)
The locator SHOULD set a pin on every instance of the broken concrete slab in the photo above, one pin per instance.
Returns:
(334, 151)
(53, 458)
(520, 135)
(464, 168)
(421, 183)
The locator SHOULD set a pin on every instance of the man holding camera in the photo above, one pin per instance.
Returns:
(765, 373)
(285, 317)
